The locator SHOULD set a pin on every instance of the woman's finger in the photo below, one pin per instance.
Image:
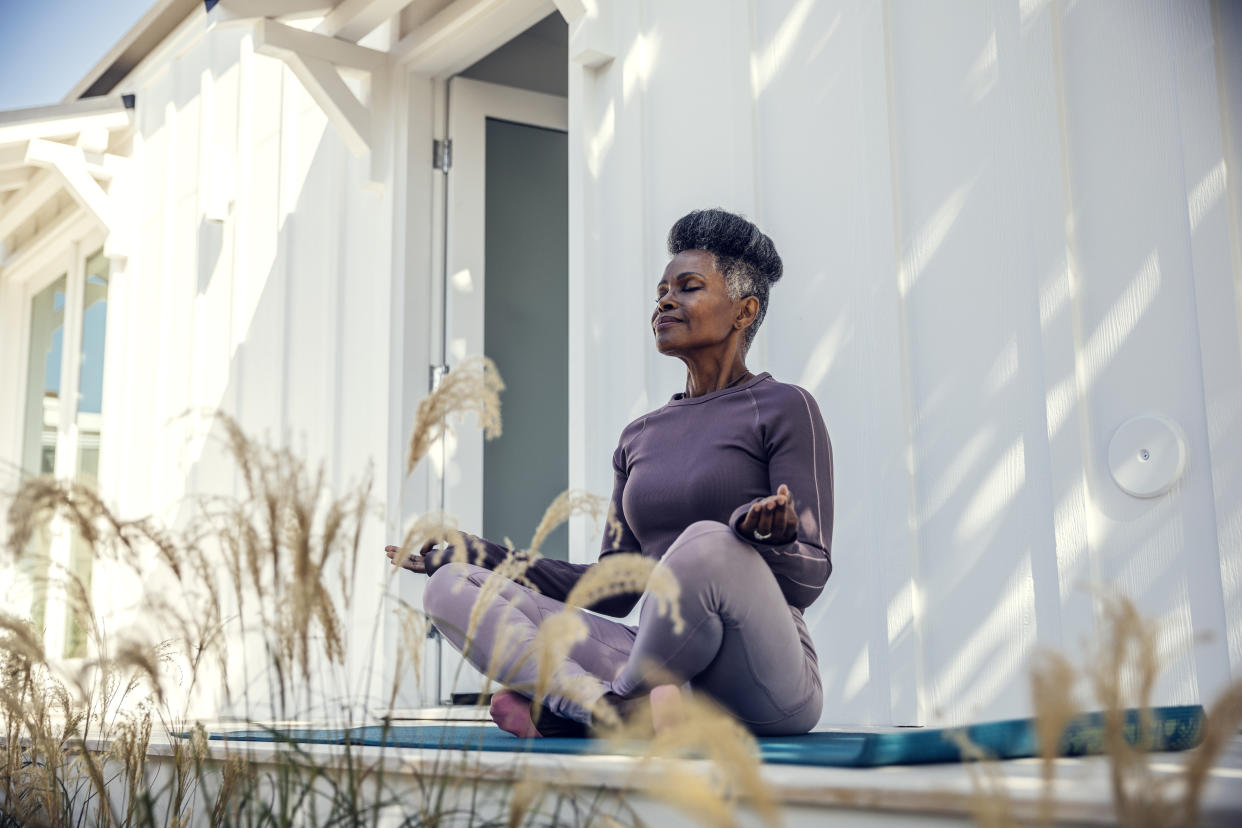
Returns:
(752, 518)
(779, 524)
(763, 528)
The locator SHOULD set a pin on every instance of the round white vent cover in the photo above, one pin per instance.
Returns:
(1147, 455)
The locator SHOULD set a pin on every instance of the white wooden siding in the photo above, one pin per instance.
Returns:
(1006, 230)
(278, 315)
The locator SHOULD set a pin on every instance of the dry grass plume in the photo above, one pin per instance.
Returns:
(472, 386)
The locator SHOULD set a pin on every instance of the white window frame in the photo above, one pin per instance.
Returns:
(62, 256)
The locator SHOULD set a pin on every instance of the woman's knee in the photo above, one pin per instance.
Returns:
(704, 547)
(446, 589)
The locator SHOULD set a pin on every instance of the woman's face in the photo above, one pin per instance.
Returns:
(693, 309)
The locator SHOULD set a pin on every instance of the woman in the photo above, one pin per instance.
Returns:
(729, 485)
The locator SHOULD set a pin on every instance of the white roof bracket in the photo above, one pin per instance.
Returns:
(70, 164)
(315, 60)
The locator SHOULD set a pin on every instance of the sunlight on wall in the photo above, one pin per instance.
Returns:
(1005, 367)
(983, 74)
(1069, 528)
(600, 140)
(858, 676)
(931, 235)
(825, 352)
(1121, 319)
(766, 64)
(1059, 404)
(461, 281)
(1028, 10)
(902, 610)
(965, 679)
(1205, 195)
(1054, 293)
(955, 472)
(995, 493)
(638, 63)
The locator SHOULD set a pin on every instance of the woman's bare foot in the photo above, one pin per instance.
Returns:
(665, 707)
(511, 713)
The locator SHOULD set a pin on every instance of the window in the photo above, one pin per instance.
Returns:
(62, 433)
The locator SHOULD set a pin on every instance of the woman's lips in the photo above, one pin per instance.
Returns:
(665, 321)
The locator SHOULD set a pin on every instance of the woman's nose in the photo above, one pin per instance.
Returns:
(665, 302)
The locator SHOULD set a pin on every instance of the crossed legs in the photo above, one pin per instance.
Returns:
(741, 643)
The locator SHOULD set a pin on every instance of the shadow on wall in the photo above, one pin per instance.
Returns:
(1008, 357)
(279, 333)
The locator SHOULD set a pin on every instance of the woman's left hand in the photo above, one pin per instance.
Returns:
(772, 520)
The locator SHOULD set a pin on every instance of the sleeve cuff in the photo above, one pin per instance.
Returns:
(438, 558)
(735, 522)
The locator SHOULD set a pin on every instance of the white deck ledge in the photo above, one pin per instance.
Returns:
(906, 794)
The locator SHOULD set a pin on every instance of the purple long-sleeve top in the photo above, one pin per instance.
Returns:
(710, 458)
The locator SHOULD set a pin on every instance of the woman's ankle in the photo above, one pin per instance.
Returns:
(511, 713)
(666, 707)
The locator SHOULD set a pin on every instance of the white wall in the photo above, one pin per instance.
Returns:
(1006, 230)
(278, 314)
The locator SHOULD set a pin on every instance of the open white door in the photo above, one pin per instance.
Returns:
(507, 196)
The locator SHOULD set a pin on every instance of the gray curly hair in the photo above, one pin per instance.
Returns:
(744, 256)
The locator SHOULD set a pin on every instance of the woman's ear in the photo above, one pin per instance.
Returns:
(747, 310)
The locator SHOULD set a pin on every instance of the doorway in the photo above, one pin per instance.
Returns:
(505, 292)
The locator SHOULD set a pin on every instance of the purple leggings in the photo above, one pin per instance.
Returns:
(741, 644)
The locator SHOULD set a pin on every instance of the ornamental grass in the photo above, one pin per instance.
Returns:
(248, 621)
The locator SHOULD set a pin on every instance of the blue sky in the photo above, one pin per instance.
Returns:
(46, 46)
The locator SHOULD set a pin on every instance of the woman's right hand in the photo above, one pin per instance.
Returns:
(415, 561)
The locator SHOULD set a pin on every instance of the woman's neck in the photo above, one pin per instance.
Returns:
(704, 377)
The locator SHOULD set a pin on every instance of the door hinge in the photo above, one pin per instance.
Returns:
(442, 154)
(435, 375)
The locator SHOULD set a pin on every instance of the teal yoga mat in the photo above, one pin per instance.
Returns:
(1175, 728)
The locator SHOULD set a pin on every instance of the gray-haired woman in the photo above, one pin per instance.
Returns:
(729, 485)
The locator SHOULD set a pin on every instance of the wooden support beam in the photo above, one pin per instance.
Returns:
(70, 164)
(14, 179)
(26, 202)
(353, 20)
(279, 40)
(314, 60)
(344, 110)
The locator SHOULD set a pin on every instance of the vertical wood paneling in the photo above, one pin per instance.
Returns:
(1224, 401)
(964, 283)
(260, 319)
(311, 237)
(1140, 351)
(832, 327)
(270, 314)
(1219, 351)
(1040, 167)
(698, 123)
(180, 276)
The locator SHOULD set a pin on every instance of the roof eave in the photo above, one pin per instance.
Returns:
(160, 20)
